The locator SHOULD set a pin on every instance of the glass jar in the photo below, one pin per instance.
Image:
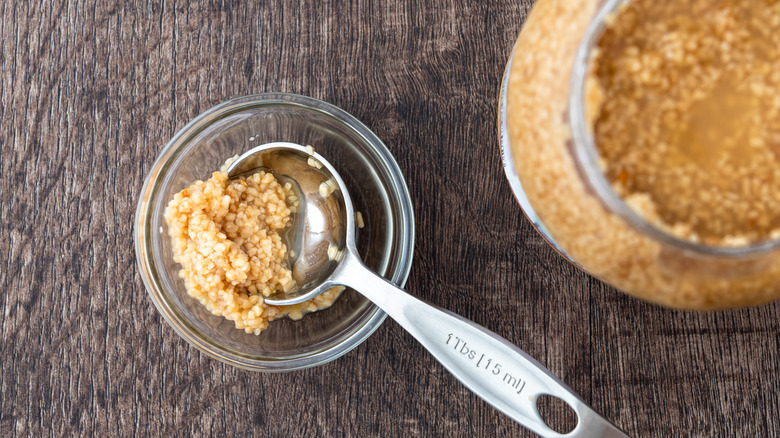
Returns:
(552, 165)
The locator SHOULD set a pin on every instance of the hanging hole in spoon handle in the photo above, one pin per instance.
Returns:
(489, 365)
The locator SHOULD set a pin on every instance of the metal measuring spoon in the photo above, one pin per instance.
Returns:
(322, 240)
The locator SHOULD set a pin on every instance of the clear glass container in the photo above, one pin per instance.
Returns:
(376, 186)
(552, 165)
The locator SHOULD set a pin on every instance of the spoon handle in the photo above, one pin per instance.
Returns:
(489, 365)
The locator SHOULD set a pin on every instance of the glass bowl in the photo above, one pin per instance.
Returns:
(376, 186)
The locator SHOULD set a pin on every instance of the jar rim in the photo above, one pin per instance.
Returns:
(587, 156)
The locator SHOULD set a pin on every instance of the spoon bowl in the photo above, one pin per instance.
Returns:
(322, 226)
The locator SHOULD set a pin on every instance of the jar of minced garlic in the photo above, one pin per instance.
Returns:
(642, 139)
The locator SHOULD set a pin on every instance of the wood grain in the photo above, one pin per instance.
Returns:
(92, 90)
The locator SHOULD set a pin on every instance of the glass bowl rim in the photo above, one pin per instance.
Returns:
(156, 175)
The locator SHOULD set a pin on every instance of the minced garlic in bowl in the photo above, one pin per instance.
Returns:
(226, 236)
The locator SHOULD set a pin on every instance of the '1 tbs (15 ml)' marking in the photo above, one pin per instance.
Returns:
(483, 361)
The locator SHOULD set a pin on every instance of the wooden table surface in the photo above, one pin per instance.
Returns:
(92, 90)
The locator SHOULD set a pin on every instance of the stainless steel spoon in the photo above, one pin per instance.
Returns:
(322, 240)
